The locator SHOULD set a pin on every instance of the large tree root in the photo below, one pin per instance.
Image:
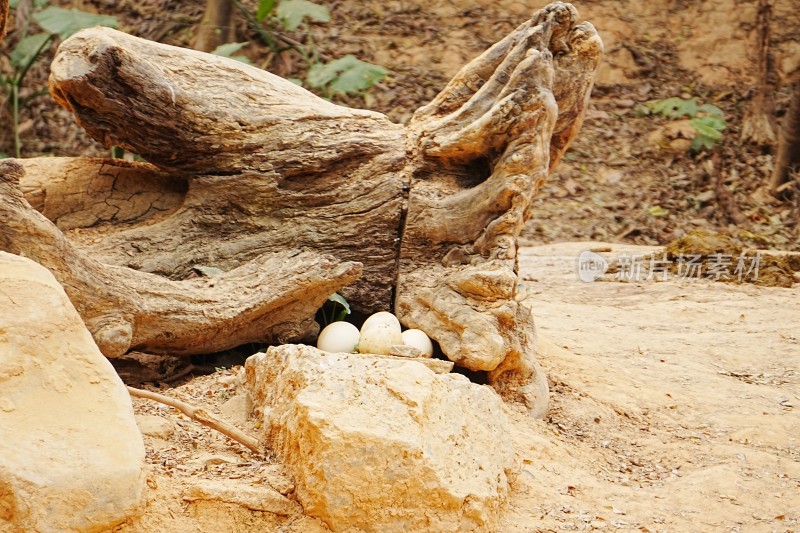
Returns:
(432, 210)
(270, 299)
(483, 148)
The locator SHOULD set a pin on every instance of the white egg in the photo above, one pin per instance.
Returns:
(419, 340)
(338, 337)
(382, 317)
(379, 338)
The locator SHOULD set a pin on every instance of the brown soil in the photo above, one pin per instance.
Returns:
(674, 408)
(674, 403)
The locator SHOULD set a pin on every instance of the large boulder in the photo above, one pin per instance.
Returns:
(383, 444)
(71, 456)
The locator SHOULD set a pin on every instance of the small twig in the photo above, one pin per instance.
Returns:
(202, 416)
(183, 373)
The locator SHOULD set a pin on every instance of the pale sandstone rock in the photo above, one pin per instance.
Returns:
(383, 444)
(71, 456)
(258, 498)
(236, 409)
(155, 426)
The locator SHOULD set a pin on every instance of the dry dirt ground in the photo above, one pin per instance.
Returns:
(675, 407)
(675, 404)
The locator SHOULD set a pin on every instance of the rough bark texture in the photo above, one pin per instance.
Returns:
(480, 151)
(112, 191)
(758, 126)
(269, 166)
(432, 210)
(216, 27)
(272, 298)
(3, 18)
(787, 159)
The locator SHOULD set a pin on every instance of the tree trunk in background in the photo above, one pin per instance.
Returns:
(295, 197)
(215, 28)
(758, 126)
(788, 158)
(3, 18)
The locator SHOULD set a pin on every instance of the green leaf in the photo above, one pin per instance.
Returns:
(264, 8)
(710, 109)
(3, 155)
(339, 299)
(712, 122)
(657, 211)
(686, 108)
(706, 130)
(346, 75)
(319, 75)
(666, 107)
(65, 22)
(334, 310)
(228, 49)
(13, 3)
(358, 78)
(292, 13)
(699, 142)
(27, 49)
(340, 307)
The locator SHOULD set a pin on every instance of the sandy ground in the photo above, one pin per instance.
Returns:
(675, 404)
(674, 408)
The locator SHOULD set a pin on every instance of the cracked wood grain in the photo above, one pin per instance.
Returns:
(432, 210)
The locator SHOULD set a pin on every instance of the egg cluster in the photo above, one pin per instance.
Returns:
(378, 335)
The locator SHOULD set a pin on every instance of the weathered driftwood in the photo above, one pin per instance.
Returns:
(80, 192)
(431, 210)
(126, 309)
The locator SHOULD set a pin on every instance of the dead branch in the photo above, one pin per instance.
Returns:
(202, 416)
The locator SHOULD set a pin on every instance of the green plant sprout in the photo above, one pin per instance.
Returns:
(335, 309)
(706, 119)
(344, 76)
(274, 18)
(56, 22)
(230, 49)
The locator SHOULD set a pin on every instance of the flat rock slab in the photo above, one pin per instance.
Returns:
(258, 498)
(71, 456)
(382, 444)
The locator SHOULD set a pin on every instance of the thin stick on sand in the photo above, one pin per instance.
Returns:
(202, 416)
